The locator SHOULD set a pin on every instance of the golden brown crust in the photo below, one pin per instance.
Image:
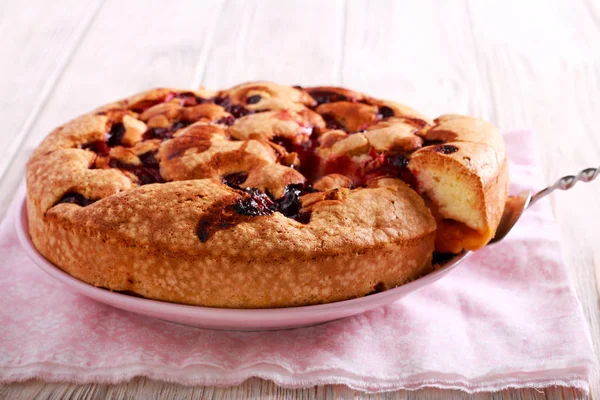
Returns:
(147, 239)
(261, 195)
(472, 157)
(271, 96)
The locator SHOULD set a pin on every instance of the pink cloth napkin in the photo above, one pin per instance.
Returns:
(506, 318)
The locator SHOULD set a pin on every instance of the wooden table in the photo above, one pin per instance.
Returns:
(533, 64)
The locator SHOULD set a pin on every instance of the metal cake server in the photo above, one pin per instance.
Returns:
(514, 208)
(515, 205)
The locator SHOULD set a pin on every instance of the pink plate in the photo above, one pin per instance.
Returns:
(222, 318)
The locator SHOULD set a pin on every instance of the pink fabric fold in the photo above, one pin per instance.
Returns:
(506, 318)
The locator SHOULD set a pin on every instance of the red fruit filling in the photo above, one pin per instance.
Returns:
(98, 146)
(380, 165)
(147, 173)
(309, 162)
(75, 198)
(332, 123)
(255, 203)
(235, 180)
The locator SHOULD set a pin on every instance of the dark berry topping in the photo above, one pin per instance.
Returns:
(255, 203)
(324, 97)
(147, 173)
(214, 222)
(232, 210)
(333, 124)
(202, 230)
(397, 160)
(178, 125)
(75, 198)
(165, 133)
(385, 112)
(149, 160)
(446, 149)
(221, 101)
(147, 176)
(115, 135)
(238, 111)
(309, 161)
(253, 99)
(285, 142)
(306, 153)
(228, 120)
(189, 99)
(235, 180)
(157, 133)
(98, 146)
(303, 217)
(289, 204)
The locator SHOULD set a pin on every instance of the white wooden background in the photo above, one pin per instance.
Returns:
(519, 64)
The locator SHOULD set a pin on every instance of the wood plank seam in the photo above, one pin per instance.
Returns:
(342, 54)
(484, 71)
(207, 47)
(50, 85)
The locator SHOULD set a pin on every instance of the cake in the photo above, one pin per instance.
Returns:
(261, 195)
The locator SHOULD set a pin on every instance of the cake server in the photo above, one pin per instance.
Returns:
(516, 205)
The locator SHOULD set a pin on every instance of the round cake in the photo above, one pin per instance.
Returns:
(261, 195)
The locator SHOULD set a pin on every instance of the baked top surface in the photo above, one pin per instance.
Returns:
(261, 195)
(258, 166)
